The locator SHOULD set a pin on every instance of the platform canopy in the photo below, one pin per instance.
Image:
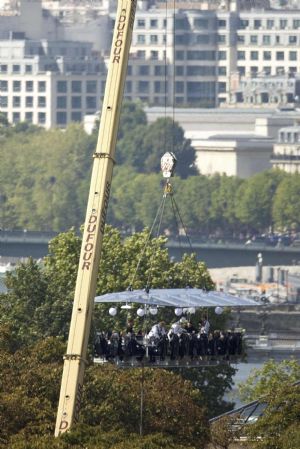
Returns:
(177, 297)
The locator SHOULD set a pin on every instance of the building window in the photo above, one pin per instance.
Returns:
(159, 70)
(153, 23)
(153, 38)
(3, 102)
(17, 86)
(3, 68)
(29, 86)
(143, 87)
(283, 24)
(16, 117)
(144, 70)
(222, 55)
(76, 117)
(76, 102)
(179, 55)
(61, 118)
(28, 117)
(253, 70)
(244, 23)
(141, 54)
(159, 87)
(292, 39)
(154, 55)
(3, 86)
(91, 103)
(267, 70)
(16, 102)
(61, 86)
(292, 69)
(254, 55)
(141, 23)
(16, 68)
(222, 71)
(61, 102)
(76, 86)
(241, 55)
(266, 40)
(179, 87)
(277, 39)
(241, 39)
(222, 88)
(42, 86)
(91, 86)
(29, 102)
(253, 39)
(279, 56)
(201, 23)
(222, 23)
(296, 24)
(270, 24)
(179, 70)
(141, 39)
(28, 68)
(293, 56)
(257, 24)
(128, 87)
(41, 102)
(280, 70)
(42, 118)
(221, 38)
(267, 56)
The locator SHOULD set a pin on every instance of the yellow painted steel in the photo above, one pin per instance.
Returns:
(74, 360)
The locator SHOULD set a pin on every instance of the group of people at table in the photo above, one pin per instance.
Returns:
(181, 340)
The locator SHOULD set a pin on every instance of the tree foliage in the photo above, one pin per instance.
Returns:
(30, 379)
(278, 427)
(270, 378)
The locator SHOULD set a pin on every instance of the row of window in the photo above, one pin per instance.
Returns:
(254, 39)
(18, 85)
(269, 24)
(15, 68)
(266, 70)
(267, 55)
(17, 102)
(61, 117)
(61, 102)
(61, 86)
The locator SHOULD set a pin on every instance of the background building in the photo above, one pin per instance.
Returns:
(191, 57)
(286, 154)
(48, 83)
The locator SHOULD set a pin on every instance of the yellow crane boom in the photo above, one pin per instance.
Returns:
(75, 358)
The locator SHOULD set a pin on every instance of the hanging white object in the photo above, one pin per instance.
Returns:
(112, 311)
(153, 310)
(140, 312)
(168, 164)
(192, 310)
(219, 310)
(178, 311)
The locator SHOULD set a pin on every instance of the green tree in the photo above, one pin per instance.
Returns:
(30, 379)
(286, 205)
(254, 200)
(45, 310)
(166, 135)
(270, 378)
(278, 427)
(222, 210)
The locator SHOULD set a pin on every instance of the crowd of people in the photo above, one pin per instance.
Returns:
(181, 340)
